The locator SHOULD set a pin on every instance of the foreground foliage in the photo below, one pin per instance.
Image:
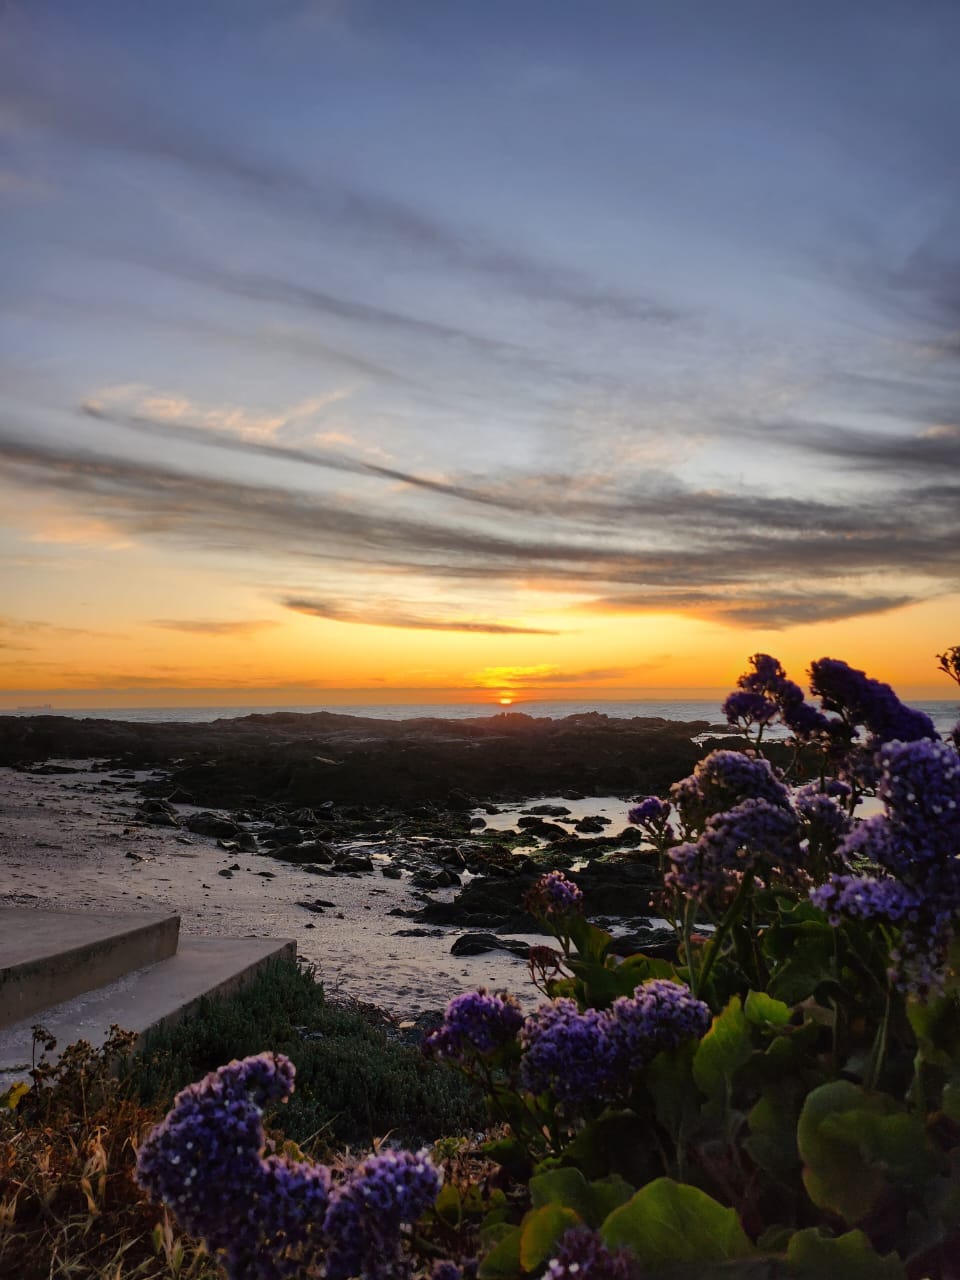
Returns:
(782, 1098)
(69, 1203)
(779, 1099)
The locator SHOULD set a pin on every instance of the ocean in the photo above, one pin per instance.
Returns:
(944, 713)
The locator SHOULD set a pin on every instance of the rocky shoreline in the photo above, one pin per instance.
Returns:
(397, 853)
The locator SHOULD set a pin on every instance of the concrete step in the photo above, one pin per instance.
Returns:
(47, 957)
(138, 1001)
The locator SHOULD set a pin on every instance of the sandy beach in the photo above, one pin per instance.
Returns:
(71, 840)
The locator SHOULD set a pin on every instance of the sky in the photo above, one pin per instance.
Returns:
(411, 350)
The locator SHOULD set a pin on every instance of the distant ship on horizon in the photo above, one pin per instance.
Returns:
(37, 706)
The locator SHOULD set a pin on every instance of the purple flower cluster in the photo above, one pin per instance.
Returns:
(274, 1218)
(651, 811)
(768, 681)
(915, 842)
(722, 780)
(861, 700)
(475, 1025)
(744, 709)
(593, 1055)
(570, 1053)
(659, 1015)
(824, 822)
(754, 835)
(204, 1159)
(582, 1255)
(368, 1211)
(553, 895)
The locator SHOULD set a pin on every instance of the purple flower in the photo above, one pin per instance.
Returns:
(915, 842)
(651, 811)
(367, 1212)
(722, 780)
(553, 896)
(744, 708)
(862, 700)
(582, 1255)
(823, 821)
(475, 1024)
(568, 1052)
(769, 681)
(204, 1157)
(659, 1015)
(753, 835)
(270, 1217)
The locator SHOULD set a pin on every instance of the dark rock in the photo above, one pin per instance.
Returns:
(354, 862)
(211, 824)
(478, 944)
(299, 854)
(390, 872)
(226, 873)
(592, 825)
(549, 810)
(477, 824)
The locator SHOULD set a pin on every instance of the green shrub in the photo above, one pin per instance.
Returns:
(354, 1083)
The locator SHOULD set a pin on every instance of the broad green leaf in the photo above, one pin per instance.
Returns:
(724, 1048)
(836, 1174)
(936, 1024)
(773, 1130)
(502, 1262)
(814, 1257)
(761, 1008)
(591, 942)
(668, 1222)
(541, 1231)
(567, 1187)
(638, 968)
(448, 1205)
(669, 1079)
(607, 1194)
(896, 1142)
(509, 1153)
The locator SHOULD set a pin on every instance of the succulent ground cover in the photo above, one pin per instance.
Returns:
(779, 1098)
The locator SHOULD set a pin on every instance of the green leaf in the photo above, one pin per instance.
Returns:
(638, 968)
(851, 1256)
(773, 1130)
(591, 942)
(668, 1222)
(854, 1143)
(936, 1024)
(950, 1102)
(503, 1260)
(541, 1230)
(762, 1009)
(567, 1187)
(448, 1205)
(669, 1079)
(724, 1048)
(607, 1194)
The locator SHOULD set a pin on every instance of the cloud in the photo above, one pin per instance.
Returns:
(387, 616)
(771, 609)
(208, 627)
(546, 674)
(134, 128)
(678, 540)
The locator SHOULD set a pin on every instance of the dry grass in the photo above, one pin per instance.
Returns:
(69, 1205)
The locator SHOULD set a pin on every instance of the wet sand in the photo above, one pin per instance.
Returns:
(71, 840)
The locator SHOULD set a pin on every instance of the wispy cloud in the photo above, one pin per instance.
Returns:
(210, 627)
(719, 546)
(391, 616)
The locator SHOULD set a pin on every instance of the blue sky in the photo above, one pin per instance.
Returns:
(410, 310)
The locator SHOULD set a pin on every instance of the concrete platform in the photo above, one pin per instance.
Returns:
(47, 957)
(159, 993)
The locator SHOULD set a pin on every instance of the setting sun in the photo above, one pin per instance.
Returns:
(506, 702)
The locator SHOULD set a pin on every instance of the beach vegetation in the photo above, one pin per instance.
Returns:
(780, 1097)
